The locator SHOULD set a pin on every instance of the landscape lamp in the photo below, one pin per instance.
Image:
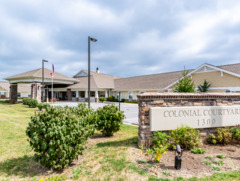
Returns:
(178, 159)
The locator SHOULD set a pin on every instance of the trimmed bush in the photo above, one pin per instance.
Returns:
(221, 136)
(42, 106)
(25, 101)
(186, 137)
(32, 103)
(109, 119)
(111, 98)
(102, 99)
(58, 135)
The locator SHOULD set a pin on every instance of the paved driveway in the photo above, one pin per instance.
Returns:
(130, 110)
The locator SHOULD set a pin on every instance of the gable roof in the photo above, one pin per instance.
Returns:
(147, 82)
(97, 80)
(231, 69)
(37, 73)
(164, 81)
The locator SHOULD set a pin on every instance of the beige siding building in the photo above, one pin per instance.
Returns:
(225, 78)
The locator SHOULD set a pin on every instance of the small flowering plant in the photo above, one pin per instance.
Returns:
(154, 154)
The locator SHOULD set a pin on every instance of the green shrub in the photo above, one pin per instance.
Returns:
(134, 102)
(32, 103)
(58, 135)
(186, 137)
(102, 99)
(25, 101)
(111, 98)
(197, 151)
(109, 119)
(221, 156)
(221, 136)
(42, 106)
(236, 132)
(160, 139)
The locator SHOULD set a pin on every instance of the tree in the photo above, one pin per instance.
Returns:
(204, 87)
(185, 84)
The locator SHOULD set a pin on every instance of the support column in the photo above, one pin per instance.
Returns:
(36, 91)
(13, 93)
(96, 96)
(69, 94)
(77, 96)
(106, 93)
(86, 96)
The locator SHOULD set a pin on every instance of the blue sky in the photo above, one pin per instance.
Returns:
(134, 37)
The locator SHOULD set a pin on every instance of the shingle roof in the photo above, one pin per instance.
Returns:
(147, 82)
(235, 68)
(21, 87)
(160, 81)
(97, 80)
(37, 73)
(5, 86)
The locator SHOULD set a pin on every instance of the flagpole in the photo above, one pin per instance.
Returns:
(52, 89)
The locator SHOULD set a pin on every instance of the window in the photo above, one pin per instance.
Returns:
(18, 94)
(73, 93)
(92, 94)
(130, 96)
(102, 94)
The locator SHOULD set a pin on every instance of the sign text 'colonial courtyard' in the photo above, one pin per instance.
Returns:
(168, 118)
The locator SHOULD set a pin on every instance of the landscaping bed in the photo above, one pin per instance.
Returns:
(193, 165)
(117, 157)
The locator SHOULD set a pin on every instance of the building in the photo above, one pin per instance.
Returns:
(225, 78)
(24, 90)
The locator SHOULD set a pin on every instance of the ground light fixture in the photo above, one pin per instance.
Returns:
(178, 159)
(89, 40)
(43, 78)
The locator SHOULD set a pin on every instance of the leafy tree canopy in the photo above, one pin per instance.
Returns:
(185, 84)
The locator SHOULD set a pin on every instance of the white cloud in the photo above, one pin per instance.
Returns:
(138, 37)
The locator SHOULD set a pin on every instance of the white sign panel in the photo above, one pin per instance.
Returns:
(169, 118)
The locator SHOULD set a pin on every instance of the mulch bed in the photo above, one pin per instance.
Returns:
(192, 165)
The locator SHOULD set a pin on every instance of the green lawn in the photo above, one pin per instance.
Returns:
(105, 158)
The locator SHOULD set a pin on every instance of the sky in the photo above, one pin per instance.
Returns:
(134, 37)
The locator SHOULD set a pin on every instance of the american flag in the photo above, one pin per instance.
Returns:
(52, 73)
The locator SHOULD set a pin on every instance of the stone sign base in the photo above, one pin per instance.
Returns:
(149, 100)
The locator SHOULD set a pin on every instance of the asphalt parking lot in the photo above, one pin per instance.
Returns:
(130, 110)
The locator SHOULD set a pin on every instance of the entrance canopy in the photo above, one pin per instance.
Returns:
(36, 77)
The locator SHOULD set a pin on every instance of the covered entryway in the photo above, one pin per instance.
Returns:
(38, 90)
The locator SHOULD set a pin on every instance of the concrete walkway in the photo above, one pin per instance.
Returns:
(130, 110)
